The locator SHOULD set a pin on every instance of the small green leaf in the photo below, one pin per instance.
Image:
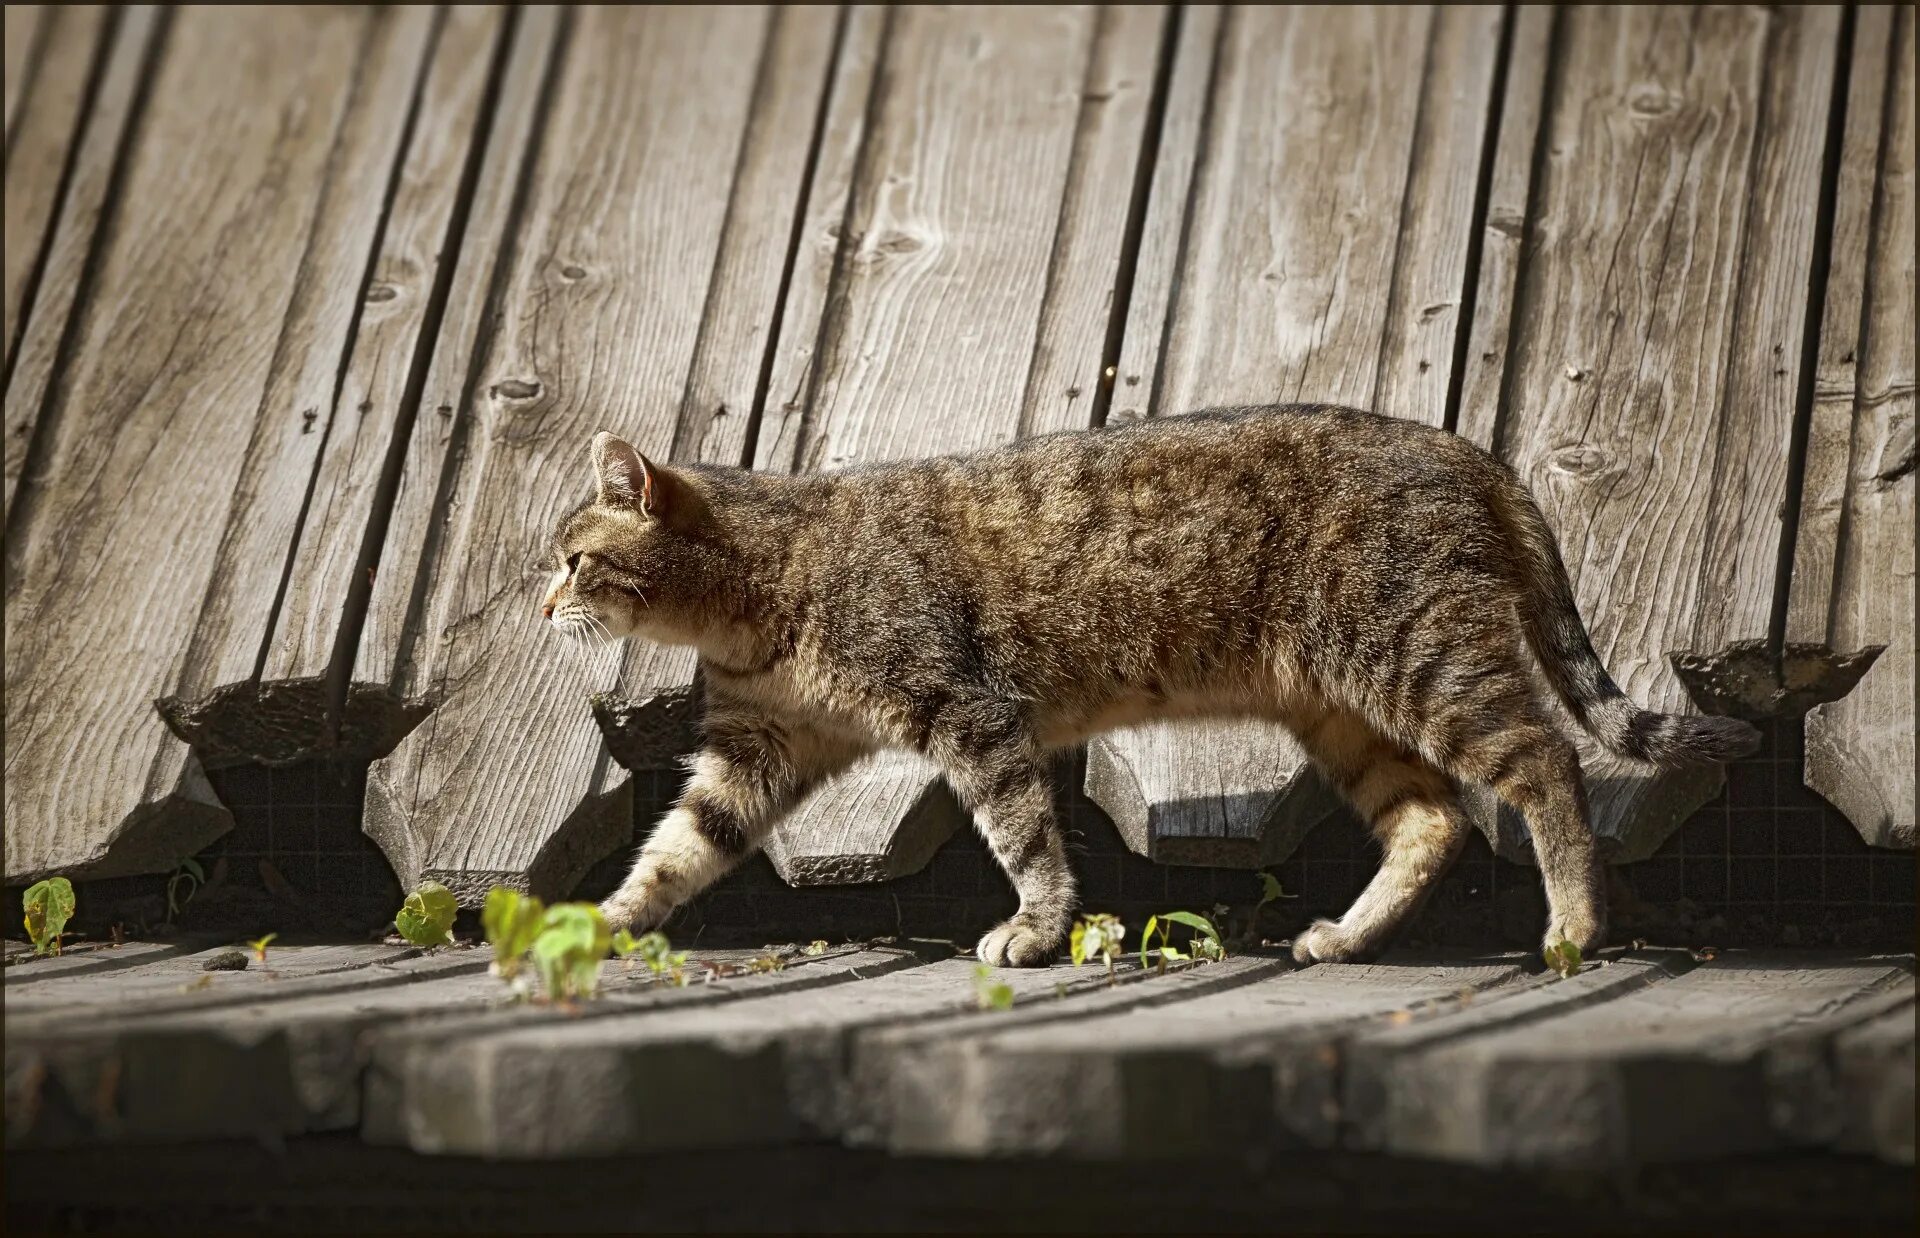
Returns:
(1270, 890)
(573, 941)
(816, 947)
(193, 866)
(511, 921)
(1146, 938)
(259, 945)
(992, 994)
(427, 915)
(49, 905)
(1564, 957)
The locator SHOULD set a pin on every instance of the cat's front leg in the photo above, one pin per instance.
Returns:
(748, 774)
(1005, 786)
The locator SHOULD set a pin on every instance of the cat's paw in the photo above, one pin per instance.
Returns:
(1021, 942)
(1324, 941)
(1584, 927)
(634, 912)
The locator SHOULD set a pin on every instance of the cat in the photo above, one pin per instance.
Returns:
(1382, 588)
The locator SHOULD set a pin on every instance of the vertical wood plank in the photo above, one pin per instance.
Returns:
(984, 179)
(23, 22)
(100, 143)
(595, 323)
(1654, 347)
(38, 150)
(1853, 575)
(718, 405)
(1322, 257)
(150, 425)
(258, 686)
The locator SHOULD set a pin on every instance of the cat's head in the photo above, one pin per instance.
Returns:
(632, 561)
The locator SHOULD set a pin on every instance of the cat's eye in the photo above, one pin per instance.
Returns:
(573, 563)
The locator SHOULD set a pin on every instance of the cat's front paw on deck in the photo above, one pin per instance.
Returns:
(1023, 941)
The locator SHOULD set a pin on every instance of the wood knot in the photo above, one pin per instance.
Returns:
(515, 389)
(381, 292)
(1583, 462)
(1647, 101)
(573, 272)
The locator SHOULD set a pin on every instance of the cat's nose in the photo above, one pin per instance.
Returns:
(546, 610)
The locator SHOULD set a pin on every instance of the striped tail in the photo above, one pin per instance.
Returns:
(1560, 641)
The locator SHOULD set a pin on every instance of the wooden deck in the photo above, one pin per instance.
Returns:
(300, 358)
(310, 315)
(1643, 1057)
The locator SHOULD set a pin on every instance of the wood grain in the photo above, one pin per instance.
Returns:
(593, 323)
(1649, 1067)
(113, 544)
(1321, 255)
(718, 405)
(979, 191)
(38, 149)
(1654, 352)
(259, 685)
(101, 142)
(1853, 575)
(23, 22)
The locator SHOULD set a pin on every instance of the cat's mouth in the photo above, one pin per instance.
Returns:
(581, 625)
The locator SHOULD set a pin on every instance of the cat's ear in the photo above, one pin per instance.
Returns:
(623, 476)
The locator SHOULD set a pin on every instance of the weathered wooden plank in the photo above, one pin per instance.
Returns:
(1392, 1099)
(1503, 231)
(765, 1069)
(655, 706)
(288, 1058)
(302, 399)
(1875, 1065)
(1852, 587)
(1321, 256)
(1186, 1067)
(92, 959)
(23, 22)
(1653, 356)
(593, 322)
(977, 194)
(38, 150)
(258, 685)
(1623, 1071)
(182, 978)
(195, 312)
(98, 157)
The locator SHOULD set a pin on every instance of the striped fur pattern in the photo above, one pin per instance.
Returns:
(1383, 589)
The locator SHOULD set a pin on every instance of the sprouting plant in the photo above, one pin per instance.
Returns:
(260, 944)
(573, 941)
(1205, 945)
(427, 916)
(511, 921)
(183, 885)
(1269, 891)
(816, 947)
(49, 905)
(667, 964)
(1563, 956)
(766, 963)
(1098, 935)
(992, 994)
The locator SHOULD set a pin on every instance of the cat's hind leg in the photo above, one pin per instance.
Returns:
(1414, 812)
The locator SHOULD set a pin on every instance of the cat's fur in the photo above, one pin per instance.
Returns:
(1382, 588)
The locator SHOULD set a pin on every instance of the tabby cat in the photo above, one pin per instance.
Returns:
(1381, 588)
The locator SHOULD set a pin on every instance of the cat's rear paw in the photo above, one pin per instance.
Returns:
(1021, 942)
(629, 912)
(1324, 941)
